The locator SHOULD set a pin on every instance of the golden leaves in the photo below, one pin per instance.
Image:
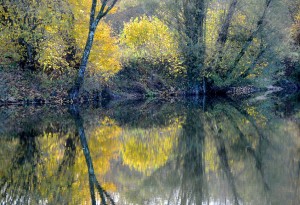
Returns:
(149, 38)
(145, 150)
(105, 54)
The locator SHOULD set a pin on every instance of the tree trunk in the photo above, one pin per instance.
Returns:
(223, 34)
(255, 61)
(94, 21)
(194, 16)
(28, 62)
(80, 78)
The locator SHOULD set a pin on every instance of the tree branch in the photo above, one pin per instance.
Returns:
(249, 41)
(104, 12)
(93, 10)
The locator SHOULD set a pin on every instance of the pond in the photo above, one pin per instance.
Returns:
(171, 152)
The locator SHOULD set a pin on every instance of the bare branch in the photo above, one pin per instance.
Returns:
(104, 12)
(104, 3)
(93, 10)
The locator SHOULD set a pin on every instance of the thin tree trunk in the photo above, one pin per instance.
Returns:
(223, 33)
(94, 21)
(254, 63)
(80, 78)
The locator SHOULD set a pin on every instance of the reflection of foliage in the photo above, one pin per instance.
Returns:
(147, 150)
(195, 156)
(34, 171)
(104, 145)
(260, 119)
(235, 159)
(50, 167)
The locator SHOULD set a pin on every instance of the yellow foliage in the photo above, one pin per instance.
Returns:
(295, 29)
(149, 38)
(40, 25)
(213, 17)
(146, 151)
(105, 53)
(52, 29)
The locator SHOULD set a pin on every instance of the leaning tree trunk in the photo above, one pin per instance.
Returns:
(94, 21)
(80, 78)
(223, 33)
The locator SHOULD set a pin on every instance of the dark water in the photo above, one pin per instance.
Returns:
(176, 152)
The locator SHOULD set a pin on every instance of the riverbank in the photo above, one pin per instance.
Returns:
(23, 87)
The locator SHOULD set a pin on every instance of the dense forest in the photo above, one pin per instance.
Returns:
(57, 50)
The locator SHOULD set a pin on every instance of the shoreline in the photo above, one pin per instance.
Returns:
(233, 92)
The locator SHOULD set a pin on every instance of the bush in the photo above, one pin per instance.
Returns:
(147, 39)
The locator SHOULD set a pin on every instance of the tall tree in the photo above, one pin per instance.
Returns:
(105, 8)
(193, 20)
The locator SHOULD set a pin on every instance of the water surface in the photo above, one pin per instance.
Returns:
(156, 152)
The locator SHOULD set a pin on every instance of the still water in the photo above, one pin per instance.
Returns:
(153, 153)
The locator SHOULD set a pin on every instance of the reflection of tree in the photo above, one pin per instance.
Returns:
(221, 135)
(191, 158)
(93, 182)
(28, 176)
(257, 155)
(44, 163)
(69, 155)
(22, 174)
(191, 149)
(238, 126)
(222, 153)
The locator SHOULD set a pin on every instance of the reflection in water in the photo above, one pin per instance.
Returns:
(93, 182)
(191, 149)
(151, 153)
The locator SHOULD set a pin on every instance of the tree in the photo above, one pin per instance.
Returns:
(34, 34)
(188, 18)
(149, 39)
(105, 8)
(223, 33)
(193, 21)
